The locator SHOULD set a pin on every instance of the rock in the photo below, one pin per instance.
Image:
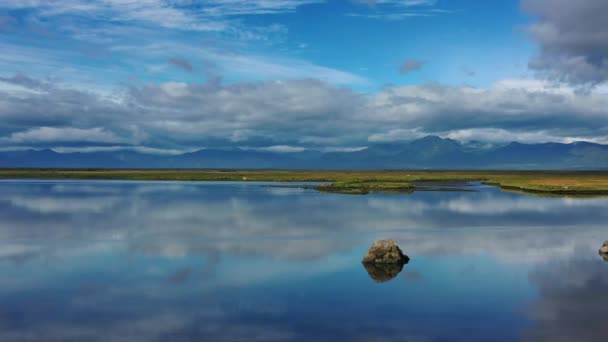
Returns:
(604, 249)
(385, 252)
(381, 273)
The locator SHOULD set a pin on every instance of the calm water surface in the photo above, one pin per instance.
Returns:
(156, 261)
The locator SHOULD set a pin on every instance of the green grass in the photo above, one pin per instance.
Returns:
(356, 182)
(365, 187)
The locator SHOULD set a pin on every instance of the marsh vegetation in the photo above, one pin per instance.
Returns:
(353, 182)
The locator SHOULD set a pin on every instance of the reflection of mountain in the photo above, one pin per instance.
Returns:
(382, 273)
(573, 305)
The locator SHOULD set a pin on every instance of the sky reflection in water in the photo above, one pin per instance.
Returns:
(141, 261)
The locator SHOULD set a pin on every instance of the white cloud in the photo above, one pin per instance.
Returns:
(140, 149)
(281, 68)
(292, 115)
(397, 9)
(397, 134)
(249, 7)
(573, 39)
(206, 16)
(281, 149)
(64, 134)
(343, 149)
(440, 108)
(247, 66)
(155, 12)
(498, 135)
(400, 3)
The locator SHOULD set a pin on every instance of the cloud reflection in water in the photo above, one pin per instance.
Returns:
(161, 260)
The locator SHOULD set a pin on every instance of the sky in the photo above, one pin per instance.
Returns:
(171, 76)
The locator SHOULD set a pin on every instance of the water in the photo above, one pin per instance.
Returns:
(150, 261)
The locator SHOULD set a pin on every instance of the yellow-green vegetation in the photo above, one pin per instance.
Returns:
(365, 187)
(559, 183)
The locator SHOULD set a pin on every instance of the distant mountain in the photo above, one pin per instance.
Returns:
(430, 152)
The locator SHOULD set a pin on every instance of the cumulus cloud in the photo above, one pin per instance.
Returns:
(28, 103)
(573, 38)
(292, 115)
(246, 111)
(514, 106)
(411, 65)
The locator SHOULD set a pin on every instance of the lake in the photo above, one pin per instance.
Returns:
(180, 261)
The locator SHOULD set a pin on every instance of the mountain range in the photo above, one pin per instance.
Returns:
(430, 152)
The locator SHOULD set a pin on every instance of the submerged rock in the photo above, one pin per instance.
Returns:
(381, 273)
(385, 252)
(604, 249)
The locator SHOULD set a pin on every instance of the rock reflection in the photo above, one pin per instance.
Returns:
(381, 273)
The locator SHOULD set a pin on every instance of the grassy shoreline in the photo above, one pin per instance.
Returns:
(352, 182)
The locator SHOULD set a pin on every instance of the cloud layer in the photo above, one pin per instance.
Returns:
(294, 114)
(573, 37)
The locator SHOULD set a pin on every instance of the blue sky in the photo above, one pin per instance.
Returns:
(165, 76)
(360, 39)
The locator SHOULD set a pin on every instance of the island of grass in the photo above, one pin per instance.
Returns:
(559, 183)
(364, 188)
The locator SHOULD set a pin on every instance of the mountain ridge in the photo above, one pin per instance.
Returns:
(430, 152)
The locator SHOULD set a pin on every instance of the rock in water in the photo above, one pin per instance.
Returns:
(385, 252)
(604, 249)
(381, 273)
